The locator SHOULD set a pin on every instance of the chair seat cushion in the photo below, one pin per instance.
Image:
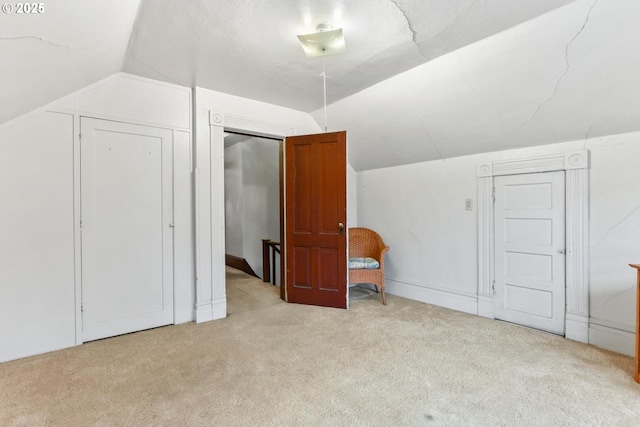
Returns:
(367, 263)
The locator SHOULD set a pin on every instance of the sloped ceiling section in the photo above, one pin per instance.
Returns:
(68, 46)
(567, 75)
(250, 49)
(422, 79)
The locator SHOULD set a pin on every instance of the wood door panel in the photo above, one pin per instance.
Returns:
(328, 269)
(303, 195)
(328, 183)
(315, 194)
(303, 267)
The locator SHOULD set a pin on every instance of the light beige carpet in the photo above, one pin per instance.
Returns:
(272, 363)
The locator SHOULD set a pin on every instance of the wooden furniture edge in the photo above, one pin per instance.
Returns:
(636, 365)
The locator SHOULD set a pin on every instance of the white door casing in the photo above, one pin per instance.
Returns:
(211, 299)
(529, 250)
(576, 166)
(127, 236)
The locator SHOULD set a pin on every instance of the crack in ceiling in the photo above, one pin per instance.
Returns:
(43, 40)
(567, 66)
(414, 33)
(400, 105)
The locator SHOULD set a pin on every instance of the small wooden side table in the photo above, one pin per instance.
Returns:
(636, 366)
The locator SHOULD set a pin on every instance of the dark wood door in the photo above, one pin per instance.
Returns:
(315, 220)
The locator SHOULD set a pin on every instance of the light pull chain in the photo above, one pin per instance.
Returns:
(324, 80)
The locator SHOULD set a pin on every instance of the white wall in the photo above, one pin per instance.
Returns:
(352, 199)
(234, 201)
(261, 182)
(252, 198)
(37, 265)
(614, 240)
(40, 259)
(419, 210)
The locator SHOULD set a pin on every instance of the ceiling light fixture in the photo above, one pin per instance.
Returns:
(325, 41)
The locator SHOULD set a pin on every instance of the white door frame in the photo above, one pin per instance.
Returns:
(576, 164)
(211, 295)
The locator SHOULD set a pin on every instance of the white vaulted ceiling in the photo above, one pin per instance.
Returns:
(250, 48)
(422, 79)
(568, 75)
(72, 44)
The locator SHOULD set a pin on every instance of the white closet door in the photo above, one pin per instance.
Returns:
(127, 235)
(530, 245)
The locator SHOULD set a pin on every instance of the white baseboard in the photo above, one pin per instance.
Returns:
(211, 309)
(576, 327)
(15, 356)
(204, 311)
(454, 301)
(485, 307)
(612, 339)
(219, 307)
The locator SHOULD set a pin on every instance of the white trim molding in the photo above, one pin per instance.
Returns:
(460, 301)
(576, 327)
(576, 164)
(211, 298)
(547, 163)
(245, 124)
(611, 337)
(577, 238)
(219, 306)
(485, 244)
(203, 311)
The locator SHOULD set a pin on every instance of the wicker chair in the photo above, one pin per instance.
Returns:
(364, 242)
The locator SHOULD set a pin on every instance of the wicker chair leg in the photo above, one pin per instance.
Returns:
(384, 301)
(376, 288)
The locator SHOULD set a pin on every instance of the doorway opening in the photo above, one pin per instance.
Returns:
(253, 220)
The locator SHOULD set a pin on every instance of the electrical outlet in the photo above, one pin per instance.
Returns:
(468, 204)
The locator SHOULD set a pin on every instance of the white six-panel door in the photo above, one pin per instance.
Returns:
(126, 214)
(529, 250)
